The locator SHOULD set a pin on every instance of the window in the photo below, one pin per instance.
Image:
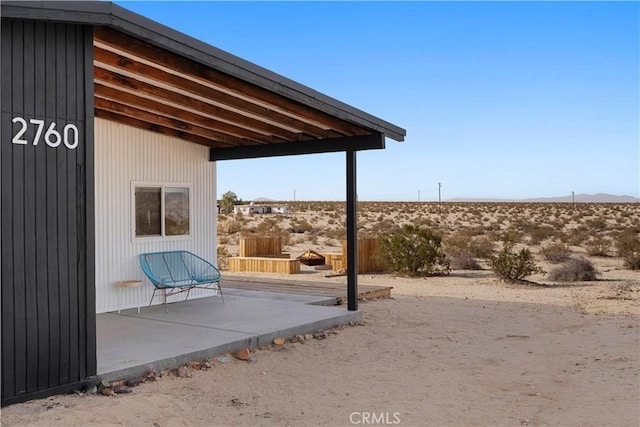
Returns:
(162, 210)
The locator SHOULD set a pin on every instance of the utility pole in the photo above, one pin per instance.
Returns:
(439, 196)
(418, 195)
(573, 200)
(294, 195)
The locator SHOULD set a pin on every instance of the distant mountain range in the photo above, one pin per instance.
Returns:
(579, 198)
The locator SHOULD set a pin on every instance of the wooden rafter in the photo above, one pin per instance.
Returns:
(131, 85)
(173, 112)
(137, 48)
(189, 86)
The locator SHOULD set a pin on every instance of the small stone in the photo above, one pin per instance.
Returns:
(195, 365)
(90, 389)
(224, 359)
(153, 376)
(308, 337)
(319, 335)
(630, 325)
(279, 341)
(107, 391)
(105, 383)
(297, 338)
(206, 365)
(183, 372)
(122, 389)
(117, 383)
(243, 354)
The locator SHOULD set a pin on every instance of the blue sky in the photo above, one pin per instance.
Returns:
(499, 99)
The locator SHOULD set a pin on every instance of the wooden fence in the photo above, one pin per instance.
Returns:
(264, 265)
(367, 262)
(260, 246)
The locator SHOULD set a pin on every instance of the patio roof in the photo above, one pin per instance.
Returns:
(152, 77)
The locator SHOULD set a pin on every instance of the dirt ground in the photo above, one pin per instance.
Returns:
(461, 350)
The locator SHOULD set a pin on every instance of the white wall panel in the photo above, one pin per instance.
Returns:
(126, 155)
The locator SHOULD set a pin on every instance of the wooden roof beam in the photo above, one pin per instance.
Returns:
(351, 143)
(128, 84)
(124, 63)
(180, 114)
(183, 65)
(156, 119)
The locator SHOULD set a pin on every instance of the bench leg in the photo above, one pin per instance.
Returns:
(221, 294)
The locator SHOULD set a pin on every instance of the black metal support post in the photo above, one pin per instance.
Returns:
(352, 232)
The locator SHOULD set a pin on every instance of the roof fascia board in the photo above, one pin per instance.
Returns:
(354, 143)
(119, 18)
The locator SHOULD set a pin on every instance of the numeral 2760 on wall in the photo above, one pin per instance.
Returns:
(53, 138)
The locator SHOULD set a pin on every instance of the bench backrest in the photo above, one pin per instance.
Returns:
(173, 267)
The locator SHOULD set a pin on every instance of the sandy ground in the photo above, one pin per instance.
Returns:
(451, 351)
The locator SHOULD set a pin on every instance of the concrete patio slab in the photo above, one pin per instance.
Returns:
(131, 344)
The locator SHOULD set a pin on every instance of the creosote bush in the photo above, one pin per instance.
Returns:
(556, 252)
(223, 257)
(513, 266)
(577, 269)
(413, 251)
(464, 261)
(598, 246)
(628, 247)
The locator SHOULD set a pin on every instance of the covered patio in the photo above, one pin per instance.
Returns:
(205, 327)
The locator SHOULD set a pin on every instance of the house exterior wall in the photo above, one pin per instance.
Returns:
(46, 157)
(125, 156)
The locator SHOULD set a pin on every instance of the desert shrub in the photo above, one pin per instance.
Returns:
(574, 270)
(598, 246)
(229, 226)
(463, 241)
(513, 266)
(457, 243)
(223, 257)
(628, 247)
(511, 235)
(556, 252)
(576, 236)
(538, 233)
(464, 261)
(481, 247)
(301, 226)
(268, 228)
(386, 226)
(338, 233)
(413, 251)
(597, 224)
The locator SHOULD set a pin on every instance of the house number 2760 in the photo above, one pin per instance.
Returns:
(53, 138)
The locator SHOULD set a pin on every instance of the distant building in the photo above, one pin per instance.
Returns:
(252, 208)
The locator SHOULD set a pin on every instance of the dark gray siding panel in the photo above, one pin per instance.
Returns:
(46, 252)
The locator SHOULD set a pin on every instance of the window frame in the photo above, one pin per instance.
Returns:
(162, 237)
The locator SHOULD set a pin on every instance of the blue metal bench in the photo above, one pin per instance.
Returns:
(174, 272)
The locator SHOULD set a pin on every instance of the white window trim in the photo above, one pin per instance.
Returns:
(161, 237)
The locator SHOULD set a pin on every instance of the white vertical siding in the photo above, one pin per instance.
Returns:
(126, 155)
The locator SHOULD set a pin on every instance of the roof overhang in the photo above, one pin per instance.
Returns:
(150, 76)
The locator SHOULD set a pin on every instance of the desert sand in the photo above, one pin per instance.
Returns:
(447, 351)
(458, 350)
